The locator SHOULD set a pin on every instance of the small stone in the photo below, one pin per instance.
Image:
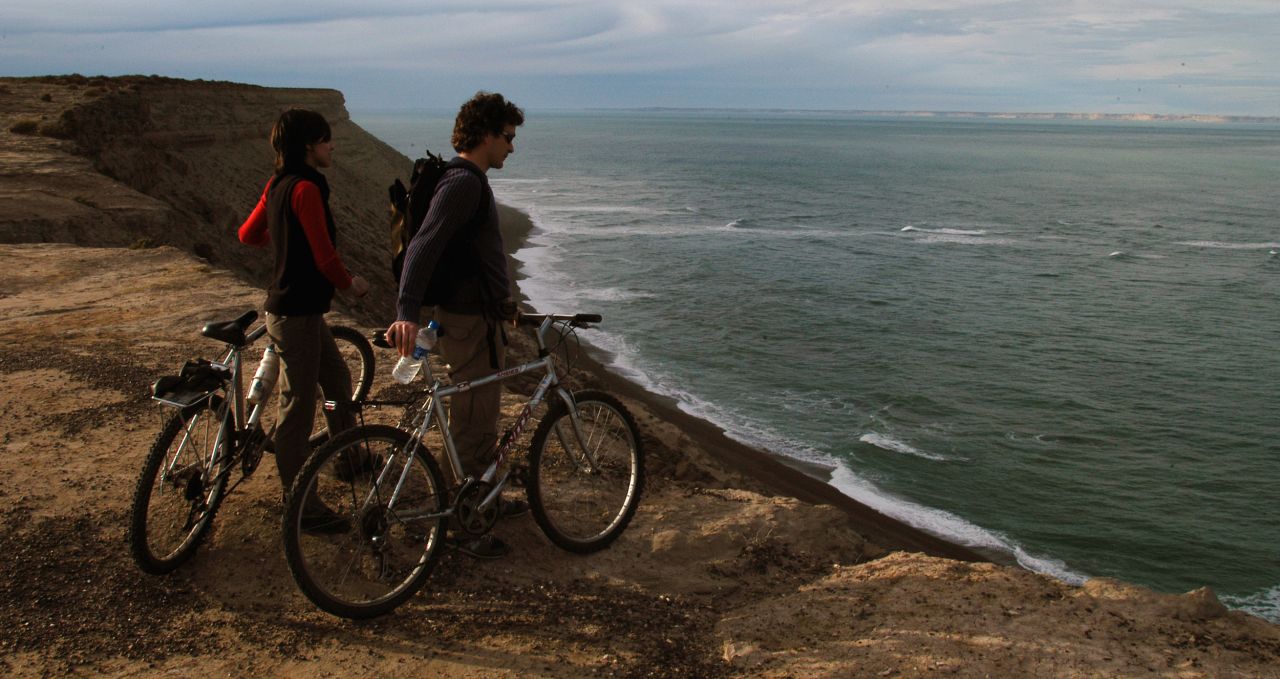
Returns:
(1198, 605)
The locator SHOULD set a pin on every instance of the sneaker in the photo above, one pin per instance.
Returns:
(514, 508)
(349, 470)
(324, 521)
(483, 547)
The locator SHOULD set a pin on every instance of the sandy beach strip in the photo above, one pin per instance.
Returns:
(775, 473)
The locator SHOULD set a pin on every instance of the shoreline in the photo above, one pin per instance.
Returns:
(779, 474)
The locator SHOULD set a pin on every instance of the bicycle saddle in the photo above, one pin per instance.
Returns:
(231, 332)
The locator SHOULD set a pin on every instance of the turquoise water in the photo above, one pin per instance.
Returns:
(1054, 341)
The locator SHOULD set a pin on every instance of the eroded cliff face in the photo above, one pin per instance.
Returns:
(146, 161)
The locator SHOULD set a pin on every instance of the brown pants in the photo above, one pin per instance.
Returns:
(308, 358)
(473, 415)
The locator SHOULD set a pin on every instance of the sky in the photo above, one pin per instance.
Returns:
(1110, 56)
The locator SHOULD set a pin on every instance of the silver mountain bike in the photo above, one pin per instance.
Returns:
(214, 431)
(388, 505)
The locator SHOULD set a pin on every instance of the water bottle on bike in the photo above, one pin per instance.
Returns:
(265, 379)
(408, 366)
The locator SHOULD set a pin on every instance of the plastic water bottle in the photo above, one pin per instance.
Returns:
(408, 366)
(265, 379)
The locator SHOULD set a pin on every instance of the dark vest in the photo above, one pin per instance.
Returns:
(297, 286)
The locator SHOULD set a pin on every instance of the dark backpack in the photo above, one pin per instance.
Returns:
(409, 209)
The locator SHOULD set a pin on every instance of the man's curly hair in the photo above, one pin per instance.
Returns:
(485, 114)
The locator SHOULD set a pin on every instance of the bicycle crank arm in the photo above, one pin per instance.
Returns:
(487, 503)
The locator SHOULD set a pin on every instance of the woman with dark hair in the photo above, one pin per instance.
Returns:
(293, 217)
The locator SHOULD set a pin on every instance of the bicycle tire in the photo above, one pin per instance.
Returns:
(365, 561)
(357, 353)
(172, 513)
(585, 510)
(351, 340)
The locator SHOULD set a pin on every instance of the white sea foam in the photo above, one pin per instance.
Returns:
(949, 235)
(494, 181)
(946, 231)
(605, 209)
(612, 294)
(1124, 255)
(886, 443)
(1219, 245)
(946, 525)
(1264, 604)
(625, 362)
(937, 237)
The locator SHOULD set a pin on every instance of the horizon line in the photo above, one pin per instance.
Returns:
(1137, 116)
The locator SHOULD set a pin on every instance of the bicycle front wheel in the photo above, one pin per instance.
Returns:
(585, 481)
(181, 486)
(365, 521)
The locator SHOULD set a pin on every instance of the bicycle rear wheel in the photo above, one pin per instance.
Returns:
(180, 487)
(357, 353)
(583, 498)
(353, 551)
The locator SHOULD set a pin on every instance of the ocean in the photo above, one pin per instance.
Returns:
(1052, 341)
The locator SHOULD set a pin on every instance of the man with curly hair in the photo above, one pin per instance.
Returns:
(456, 264)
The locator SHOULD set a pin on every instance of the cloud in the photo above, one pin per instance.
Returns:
(1036, 55)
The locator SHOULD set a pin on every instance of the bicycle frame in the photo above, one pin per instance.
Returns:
(434, 412)
(232, 362)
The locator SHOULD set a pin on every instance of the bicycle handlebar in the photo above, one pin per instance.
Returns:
(576, 320)
(379, 337)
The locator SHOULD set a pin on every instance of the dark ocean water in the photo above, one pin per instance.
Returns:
(1055, 341)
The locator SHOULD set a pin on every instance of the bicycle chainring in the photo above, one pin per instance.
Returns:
(466, 508)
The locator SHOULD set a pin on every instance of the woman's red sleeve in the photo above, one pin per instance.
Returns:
(308, 205)
(254, 230)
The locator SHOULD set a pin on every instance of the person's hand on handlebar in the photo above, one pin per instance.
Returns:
(509, 311)
(403, 335)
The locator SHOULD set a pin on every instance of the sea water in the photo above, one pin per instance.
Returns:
(1055, 342)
